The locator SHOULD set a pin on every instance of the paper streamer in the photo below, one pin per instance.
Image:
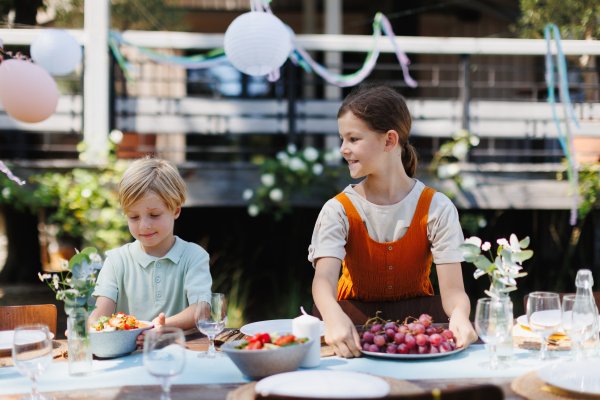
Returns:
(566, 141)
(10, 175)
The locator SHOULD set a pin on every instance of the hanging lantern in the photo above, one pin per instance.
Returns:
(27, 92)
(257, 43)
(56, 51)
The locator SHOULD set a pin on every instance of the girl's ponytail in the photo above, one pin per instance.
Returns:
(409, 159)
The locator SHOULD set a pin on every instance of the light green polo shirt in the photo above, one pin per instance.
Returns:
(144, 286)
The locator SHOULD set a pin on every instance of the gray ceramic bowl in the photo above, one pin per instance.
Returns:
(257, 364)
(115, 343)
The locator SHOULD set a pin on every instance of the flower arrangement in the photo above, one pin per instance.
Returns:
(502, 269)
(76, 282)
(291, 171)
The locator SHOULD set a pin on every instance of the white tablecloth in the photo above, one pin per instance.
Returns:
(130, 371)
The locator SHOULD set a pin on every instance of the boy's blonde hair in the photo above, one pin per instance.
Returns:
(151, 175)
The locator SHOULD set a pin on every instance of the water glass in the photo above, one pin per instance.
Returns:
(164, 356)
(493, 322)
(578, 322)
(211, 318)
(544, 315)
(32, 354)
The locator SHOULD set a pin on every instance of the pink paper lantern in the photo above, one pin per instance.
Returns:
(27, 92)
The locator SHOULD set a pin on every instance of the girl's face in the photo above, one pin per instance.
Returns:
(364, 149)
(151, 222)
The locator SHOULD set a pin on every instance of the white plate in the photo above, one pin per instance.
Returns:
(411, 356)
(576, 376)
(6, 339)
(274, 325)
(324, 384)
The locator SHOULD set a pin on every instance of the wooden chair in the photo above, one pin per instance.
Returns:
(596, 297)
(13, 316)
(482, 392)
(360, 311)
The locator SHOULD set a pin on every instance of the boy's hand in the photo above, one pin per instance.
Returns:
(158, 323)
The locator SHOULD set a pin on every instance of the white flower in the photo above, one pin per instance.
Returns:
(267, 179)
(474, 240)
(47, 276)
(253, 210)
(297, 164)
(276, 195)
(460, 150)
(40, 276)
(55, 281)
(64, 264)
(503, 243)
(474, 140)
(317, 169)
(247, 195)
(486, 246)
(291, 148)
(283, 157)
(310, 154)
(86, 193)
(515, 247)
(115, 136)
(468, 182)
(6, 193)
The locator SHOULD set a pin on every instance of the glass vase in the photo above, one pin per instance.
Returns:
(505, 348)
(80, 349)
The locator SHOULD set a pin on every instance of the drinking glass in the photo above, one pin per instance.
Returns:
(32, 354)
(164, 356)
(493, 322)
(544, 316)
(578, 322)
(211, 319)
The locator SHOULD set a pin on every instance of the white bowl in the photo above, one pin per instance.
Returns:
(116, 343)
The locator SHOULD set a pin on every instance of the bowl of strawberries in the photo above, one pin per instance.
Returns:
(115, 336)
(266, 354)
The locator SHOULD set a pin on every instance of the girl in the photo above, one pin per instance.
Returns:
(388, 228)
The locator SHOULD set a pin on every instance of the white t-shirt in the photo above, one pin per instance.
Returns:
(388, 224)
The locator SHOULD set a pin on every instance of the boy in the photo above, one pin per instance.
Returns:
(159, 276)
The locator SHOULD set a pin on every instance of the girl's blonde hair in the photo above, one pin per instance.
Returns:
(151, 175)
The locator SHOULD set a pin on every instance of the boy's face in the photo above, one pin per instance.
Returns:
(151, 222)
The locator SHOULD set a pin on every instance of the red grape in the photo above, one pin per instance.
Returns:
(413, 350)
(430, 330)
(374, 348)
(423, 349)
(403, 349)
(399, 338)
(379, 340)
(418, 329)
(411, 326)
(392, 349)
(448, 333)
(421, 339)
(410, 341)
(453, 345)
(434, 350)
(425, 320)
(391, 325)
(368, 337)
(444, 338)
(403, 329)
(376, 328)
(435, 339)
(445, 347)
(390, 333)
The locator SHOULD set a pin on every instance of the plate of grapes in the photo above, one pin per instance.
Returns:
(414, 340)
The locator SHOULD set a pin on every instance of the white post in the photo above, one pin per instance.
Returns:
(96, 79)
(333, 25)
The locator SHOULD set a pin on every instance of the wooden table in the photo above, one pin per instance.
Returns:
(197, 342)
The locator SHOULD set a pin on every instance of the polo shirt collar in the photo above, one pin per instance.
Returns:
(144, 259)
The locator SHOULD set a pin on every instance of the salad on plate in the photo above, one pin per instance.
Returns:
(118, 322)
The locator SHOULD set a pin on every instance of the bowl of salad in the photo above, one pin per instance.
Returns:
(115, 336)
(266, 354)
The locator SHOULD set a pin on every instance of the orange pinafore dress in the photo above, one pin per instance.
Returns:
(375, 271)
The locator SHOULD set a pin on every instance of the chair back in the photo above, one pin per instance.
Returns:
(13, 316)
(360, 311)
(596, 297)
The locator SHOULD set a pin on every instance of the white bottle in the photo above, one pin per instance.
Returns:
(585, 301)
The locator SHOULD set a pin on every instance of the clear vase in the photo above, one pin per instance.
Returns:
(80, 349)
(505, 348)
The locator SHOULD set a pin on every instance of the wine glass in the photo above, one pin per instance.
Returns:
(211, 318)
(493, 322)
(544, 316)
(32, 354)
(164, 356)
(578, 323)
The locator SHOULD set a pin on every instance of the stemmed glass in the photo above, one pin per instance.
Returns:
(578, 322)
(211, 319)
(164, 356)
(32, 354)
(544, 316)
(493, 322)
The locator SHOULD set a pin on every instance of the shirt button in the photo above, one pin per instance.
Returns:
(390, 267)
(158, 294)
(389, 287)
(389, 248)
(157, 265)
(157, 280)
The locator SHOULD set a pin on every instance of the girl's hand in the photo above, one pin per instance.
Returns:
(342, 336)
(158, 323)
(464, 334)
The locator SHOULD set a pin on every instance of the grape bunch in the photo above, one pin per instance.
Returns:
(417, 337)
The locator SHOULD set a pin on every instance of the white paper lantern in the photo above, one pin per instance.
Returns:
(56, 51)
(257, 43)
